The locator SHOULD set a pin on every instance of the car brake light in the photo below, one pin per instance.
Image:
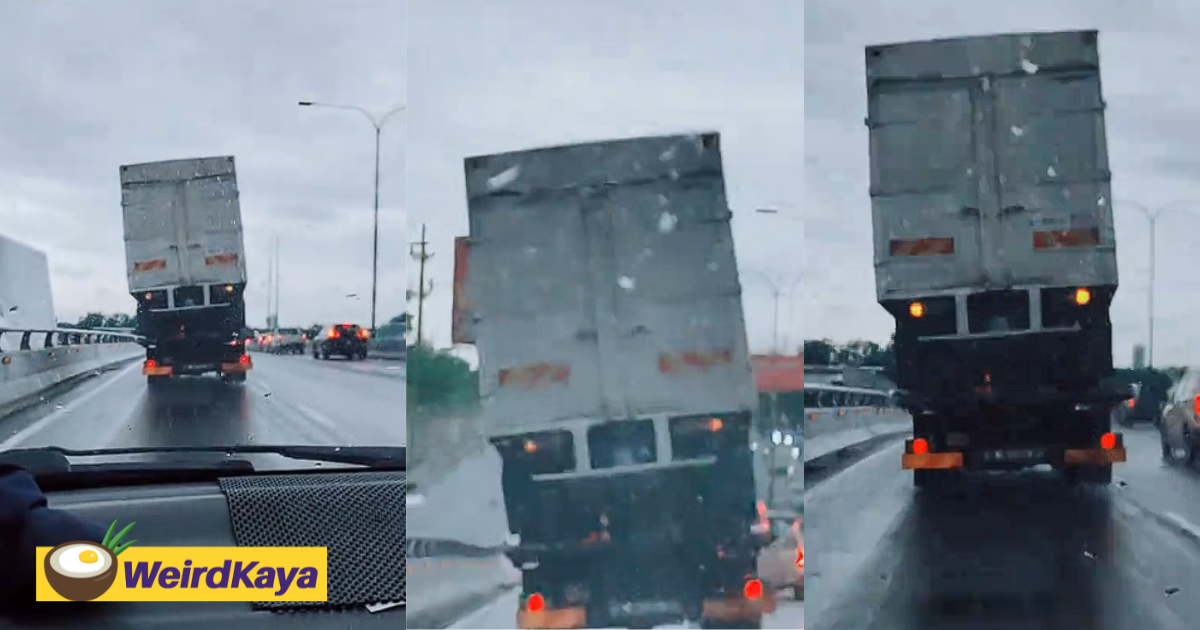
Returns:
(800, 558)
(362, 333)
(1196, 405)
(333, 334)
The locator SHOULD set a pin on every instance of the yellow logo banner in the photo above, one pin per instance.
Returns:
(86, 571)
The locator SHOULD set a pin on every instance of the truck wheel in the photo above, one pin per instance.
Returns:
(236, 377)
(931, 478)
(155, 381)
(1091, 475)
(721, 623)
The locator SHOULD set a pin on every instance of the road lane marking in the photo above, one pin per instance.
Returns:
(24, 434)
(1186, 527)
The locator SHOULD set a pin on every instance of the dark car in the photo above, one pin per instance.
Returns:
(1145, 406)
(345, 340)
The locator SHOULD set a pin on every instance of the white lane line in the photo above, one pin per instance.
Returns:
(24, 434)
(1185, 526)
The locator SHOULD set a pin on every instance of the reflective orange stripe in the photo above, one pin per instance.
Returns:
(221, 259)
(1094, 456)
(912, 461)
(1066, 238)
(922, 247)
(150, 265)
(564, 618)
(681, 362)
(535, 376)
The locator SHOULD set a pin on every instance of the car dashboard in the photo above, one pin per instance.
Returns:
(356, 513)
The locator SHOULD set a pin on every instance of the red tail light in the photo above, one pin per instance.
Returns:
(151, 364)
(1196, 405)
(244, 359)
(535, 603)
(800, 558)
(334, 334)
(753, 589)
(920, 446)
(363, 333)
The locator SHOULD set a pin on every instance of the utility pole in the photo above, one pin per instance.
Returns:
(419, 252)
(277, 273)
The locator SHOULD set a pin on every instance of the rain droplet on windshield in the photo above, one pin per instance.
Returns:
(1050, 172)
(503, 179)
(666, 222)
(1028, 66)
(1017, 131)
(627, 283)
(669, 154)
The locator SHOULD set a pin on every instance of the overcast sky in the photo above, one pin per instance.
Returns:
(88, 86)
(1148, 58)
(544, 72)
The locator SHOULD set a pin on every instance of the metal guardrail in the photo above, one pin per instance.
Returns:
(40, 338)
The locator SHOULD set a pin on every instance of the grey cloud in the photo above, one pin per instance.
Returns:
(85, 87)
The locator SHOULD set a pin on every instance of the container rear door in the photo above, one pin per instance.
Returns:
(214, 229)
(151, 233)
(678, 339)
(1055, 216)
(529, 287)
(927, 162)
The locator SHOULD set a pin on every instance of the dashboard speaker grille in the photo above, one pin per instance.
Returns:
(358, 517)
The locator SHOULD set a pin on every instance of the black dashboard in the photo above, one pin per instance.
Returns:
(355, 513)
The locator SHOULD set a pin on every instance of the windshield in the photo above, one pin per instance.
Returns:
(184, 193)
(605, 237)
(963, 248)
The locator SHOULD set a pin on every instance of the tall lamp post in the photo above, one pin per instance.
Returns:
(377, 123)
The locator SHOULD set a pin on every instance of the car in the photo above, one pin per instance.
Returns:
(346, 340)
(1145, 406)
(1179, 430)
(287, 341)
(781, 564)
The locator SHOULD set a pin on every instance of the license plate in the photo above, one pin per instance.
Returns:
(196, 368)
(638, 609)
(1016, 455)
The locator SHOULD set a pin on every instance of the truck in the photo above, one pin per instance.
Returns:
(26, 301)
(186, 265)
(599, 285)
(995, 251)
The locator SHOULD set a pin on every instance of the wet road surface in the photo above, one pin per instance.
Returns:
(286, 400)
(1006, 551)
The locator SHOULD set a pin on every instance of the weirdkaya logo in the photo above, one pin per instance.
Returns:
(86, 571)
(82, 571)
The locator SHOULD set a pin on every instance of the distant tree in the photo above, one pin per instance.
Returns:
(819, 352)
(91, 320)
(438, 378)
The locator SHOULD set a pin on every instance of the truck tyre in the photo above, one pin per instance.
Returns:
(236, 377)
(931, 478)
(720, 623)
(155, 381)
(1091, 475)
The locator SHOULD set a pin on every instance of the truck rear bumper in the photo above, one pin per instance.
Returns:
(730, 610)
(917, 458)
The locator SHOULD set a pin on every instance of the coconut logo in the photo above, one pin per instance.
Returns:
(81, 570)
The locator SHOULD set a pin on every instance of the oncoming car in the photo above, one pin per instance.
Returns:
(345, 340)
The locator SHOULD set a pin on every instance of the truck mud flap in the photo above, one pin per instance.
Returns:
(565, 618)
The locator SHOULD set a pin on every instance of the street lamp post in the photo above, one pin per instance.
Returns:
(777, 291)
(377, 123)
(1152, 215)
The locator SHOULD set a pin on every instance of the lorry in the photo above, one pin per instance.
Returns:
(186, 265)
(26, 301)
(995, 251)
(600, 288)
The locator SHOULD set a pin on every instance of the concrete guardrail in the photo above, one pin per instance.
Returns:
(833, 429)
(33, 361)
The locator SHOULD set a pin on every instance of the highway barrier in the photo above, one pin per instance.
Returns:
(33, 361)
(848, 417)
